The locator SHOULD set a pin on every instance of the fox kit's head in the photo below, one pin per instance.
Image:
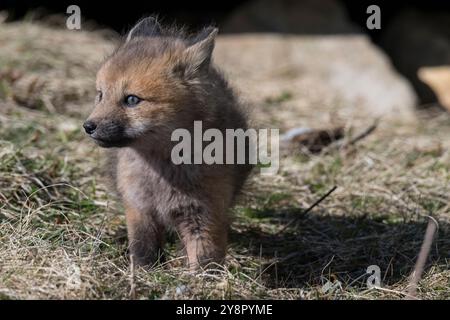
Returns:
(148, 87)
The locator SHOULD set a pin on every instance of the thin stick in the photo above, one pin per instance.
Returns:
(365, 133)
(422, 259)
(343, 143)
(132, 284)
(309, 208)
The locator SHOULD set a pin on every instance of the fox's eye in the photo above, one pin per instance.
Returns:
(132, 100)
(99, 96)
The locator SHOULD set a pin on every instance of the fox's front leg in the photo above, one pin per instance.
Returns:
(203, 234)
(145, 237)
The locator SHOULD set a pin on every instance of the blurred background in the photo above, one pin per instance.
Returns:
(413, 34)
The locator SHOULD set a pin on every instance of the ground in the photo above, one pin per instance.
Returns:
(63, 233)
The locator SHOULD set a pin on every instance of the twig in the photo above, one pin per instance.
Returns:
(132, 283)
(364, 134)
(407, 295)
(421, 260)
(308, 210)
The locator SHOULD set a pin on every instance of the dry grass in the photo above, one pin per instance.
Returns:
(62, 234)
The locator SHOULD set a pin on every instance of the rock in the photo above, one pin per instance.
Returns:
(329, 78)
(308, 57)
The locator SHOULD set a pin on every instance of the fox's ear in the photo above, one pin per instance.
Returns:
(147, 27)
(199, 53)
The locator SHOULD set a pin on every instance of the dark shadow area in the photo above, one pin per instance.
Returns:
(416, 40)
(121, 16)
(300, 16)
(414, 34)
(338, 248)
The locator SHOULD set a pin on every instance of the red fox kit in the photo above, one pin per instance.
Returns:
(156, 81)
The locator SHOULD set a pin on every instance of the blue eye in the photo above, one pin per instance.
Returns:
(132, 100)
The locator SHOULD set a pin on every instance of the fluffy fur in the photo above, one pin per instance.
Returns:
(177, 83)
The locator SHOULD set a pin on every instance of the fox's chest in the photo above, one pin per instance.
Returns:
(150, 186)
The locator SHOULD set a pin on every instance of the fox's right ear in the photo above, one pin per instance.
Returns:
(147, 27)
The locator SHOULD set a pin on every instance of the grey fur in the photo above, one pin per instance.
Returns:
(158, 195)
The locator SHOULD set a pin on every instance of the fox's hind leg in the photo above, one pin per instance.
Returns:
(145, 237)
(203, 234)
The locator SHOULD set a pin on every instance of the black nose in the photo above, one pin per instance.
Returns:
(89, 127)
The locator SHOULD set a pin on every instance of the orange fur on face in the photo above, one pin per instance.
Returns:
(149, 76)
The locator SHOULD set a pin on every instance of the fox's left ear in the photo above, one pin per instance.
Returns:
(146, 27)
(199, 53)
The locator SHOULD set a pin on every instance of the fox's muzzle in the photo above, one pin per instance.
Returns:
(107, 133)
